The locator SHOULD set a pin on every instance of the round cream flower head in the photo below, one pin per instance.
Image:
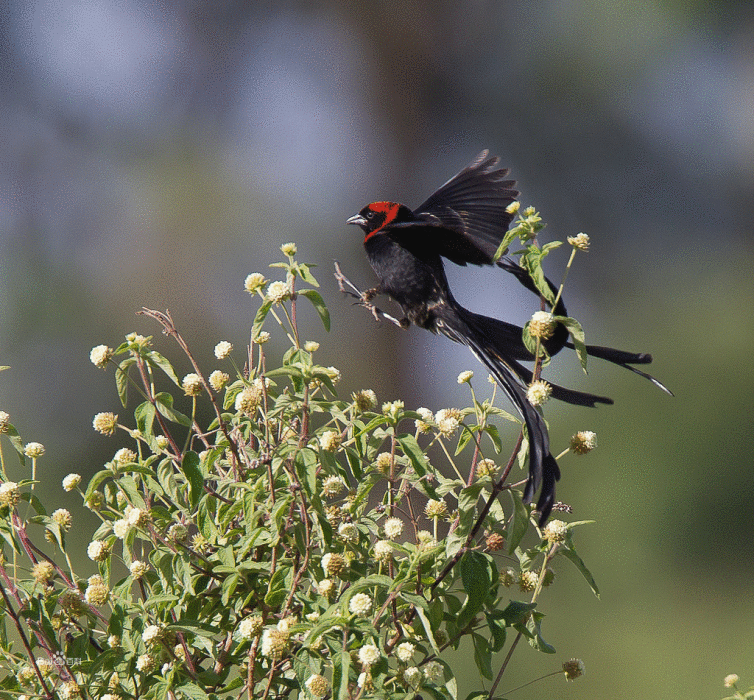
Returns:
(34, 449)
(254, 282)
(71, 481)
(223, 349)
(538, 392)
(278, 292)
(579, 241)
(317, 685)
(584, 441)
(105, 423)
(98, 550)
(555, 531)
(360, 604)
(101, 355)
(192, 384)
(369, 655)
(393, 528)
(542, 324)
(405, 651)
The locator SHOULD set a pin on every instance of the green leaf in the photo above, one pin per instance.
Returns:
(121, 379)
(306, 275)
(128, 485)
(494, 434)
(230, 583)
(201, 629)
(552, 245)
(469, 496)
(475, 576)
(504, 244)
(577, 335)
(369, 427)
(467, 515)
(533, 624)
(35, 503)
(415, 599)
(192, 471)
(108, 656)
(289, 371)
(428, 629)
(161, 690)
(154, 358)
(354, 462)
(531, 261)
(95, 481)
(144, 415)
(467, 434)
(192, 691)
(414, 452)
(520, 523)
(319, 304)
(341, 666)
(570, 554)
(18, 444)
(158, 599)
(277, 591)
(164, 404)
(264, 309)
(497, 634)
(482, 655)
(10, 539)
(514, 613)
(306, 468)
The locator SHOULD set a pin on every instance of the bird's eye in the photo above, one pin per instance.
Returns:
(370, 214)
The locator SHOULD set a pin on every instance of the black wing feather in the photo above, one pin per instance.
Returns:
(467, 216)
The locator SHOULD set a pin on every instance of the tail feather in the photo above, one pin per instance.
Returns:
(625, 359)
(458, 325)
(560, 338)
(577, 398)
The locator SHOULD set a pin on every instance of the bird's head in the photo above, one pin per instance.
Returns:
(376, 216)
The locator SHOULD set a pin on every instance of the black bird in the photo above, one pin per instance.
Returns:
(465, 221)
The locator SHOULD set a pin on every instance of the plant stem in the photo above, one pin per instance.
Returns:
(536, 680)
(499, 676)
(565, 276)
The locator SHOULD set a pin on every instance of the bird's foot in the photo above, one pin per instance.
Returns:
(364, 299)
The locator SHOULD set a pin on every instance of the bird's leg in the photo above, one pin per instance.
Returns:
(364, 298)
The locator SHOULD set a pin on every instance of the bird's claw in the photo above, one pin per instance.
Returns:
(364, 299)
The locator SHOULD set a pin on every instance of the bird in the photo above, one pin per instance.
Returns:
(464, 221)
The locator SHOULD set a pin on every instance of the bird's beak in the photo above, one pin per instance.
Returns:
(357, 219)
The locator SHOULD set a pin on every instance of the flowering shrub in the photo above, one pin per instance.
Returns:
(297, 544)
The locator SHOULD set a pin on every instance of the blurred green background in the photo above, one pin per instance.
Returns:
(155, 153)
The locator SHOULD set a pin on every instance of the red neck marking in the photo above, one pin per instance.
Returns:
(388, 209)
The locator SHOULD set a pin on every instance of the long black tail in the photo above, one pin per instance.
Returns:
(460, 325)
(625, 359)
(509, 337)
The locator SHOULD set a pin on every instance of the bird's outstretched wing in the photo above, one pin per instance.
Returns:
(466, 218)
